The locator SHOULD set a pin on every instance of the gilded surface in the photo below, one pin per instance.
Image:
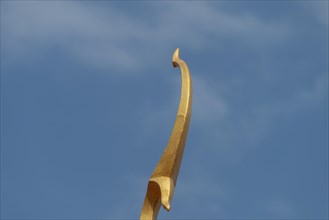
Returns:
(162, 182)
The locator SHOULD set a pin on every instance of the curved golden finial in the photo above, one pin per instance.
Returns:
(162, 182)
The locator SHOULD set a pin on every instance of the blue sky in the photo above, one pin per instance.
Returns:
(89, 98)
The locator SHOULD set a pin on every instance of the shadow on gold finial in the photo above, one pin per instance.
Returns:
(175, 58)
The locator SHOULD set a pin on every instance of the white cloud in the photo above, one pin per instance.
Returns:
(88, 34)
(110, 39)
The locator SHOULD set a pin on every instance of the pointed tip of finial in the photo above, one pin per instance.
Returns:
(176, 53)
(175, 58)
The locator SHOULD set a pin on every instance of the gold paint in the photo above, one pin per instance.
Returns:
(162, 182)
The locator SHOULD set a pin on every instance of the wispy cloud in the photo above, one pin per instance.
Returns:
(252, 125)
(230, 132)
(105, 38)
